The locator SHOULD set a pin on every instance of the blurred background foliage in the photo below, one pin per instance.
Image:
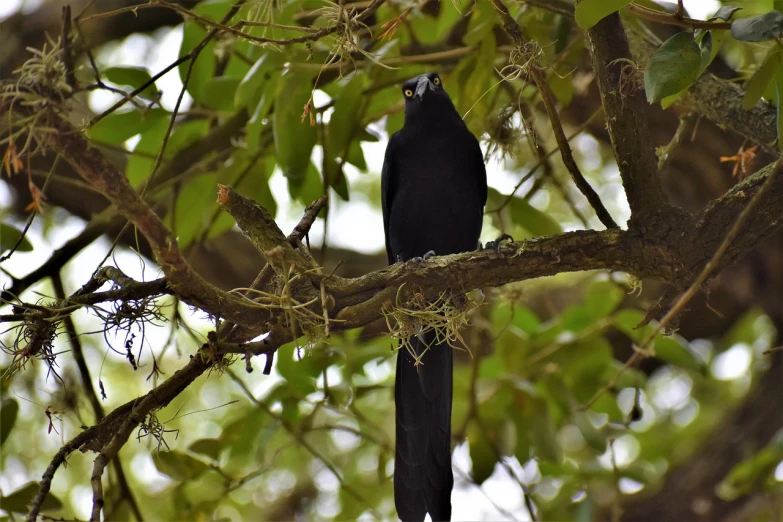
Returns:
(693, 432)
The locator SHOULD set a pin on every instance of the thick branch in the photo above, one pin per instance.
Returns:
(675, 251)
(626, 116)
(721, 101)
(260, 228)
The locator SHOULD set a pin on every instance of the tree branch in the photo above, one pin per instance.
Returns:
(515, 32)
(622, 96)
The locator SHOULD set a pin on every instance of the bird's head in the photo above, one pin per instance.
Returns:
(424, 94)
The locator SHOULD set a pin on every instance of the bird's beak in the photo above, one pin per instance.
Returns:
(422, 86)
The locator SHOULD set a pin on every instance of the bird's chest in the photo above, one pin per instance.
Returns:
(438, 200)
(435, 160)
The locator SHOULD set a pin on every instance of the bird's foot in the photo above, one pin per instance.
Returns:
(425, 257)
(496, 244)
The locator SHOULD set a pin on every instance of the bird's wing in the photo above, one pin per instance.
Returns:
(481, 170)
(389, 180)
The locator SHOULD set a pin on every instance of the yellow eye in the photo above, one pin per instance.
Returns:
(436, 81)
(408, 93)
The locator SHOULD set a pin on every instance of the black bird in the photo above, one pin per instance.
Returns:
(434, 187)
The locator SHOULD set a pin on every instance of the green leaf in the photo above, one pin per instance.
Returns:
(365, 135)
(356, 156)
(9, 236)
(667, 348)
(626, 320)
(258, 121)
(213, 9)
(177, 465)
(250, 88)
(242, 435)
(603, 297)
(142, 160)
(705, 46)
(482, 455)
(629, 378)
(749, 474)
(562, 86)
(480, 25)
(768, 26)
(194, 208)
(674, 352)
(209, 447)
(745, 330)
(562, 33)
(218, 92)
(294, 137)
(763, 76)
(8, 412)
(606, 404)
(594, 437)
(543, 432)
(670, 100)
(523, 446)
(204, 67)
(309, 189)
(337, 180)
(525, 319)
(21, 498)
(673, 67)
(299, 373)
(344, 120)
(186, 134)
(119, 126)
(192, 35)
(724, 13)
(341, 130)
(590, 12)
(133, 76)
(535, 221)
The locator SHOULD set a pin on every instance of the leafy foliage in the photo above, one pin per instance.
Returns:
(674, 67)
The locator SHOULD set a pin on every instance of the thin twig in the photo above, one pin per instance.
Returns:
(65, 46)
(51, 469)
(674, 19)
(541, 161)
(84, 373)
(666, 153)
(436, 57)
(515, 32)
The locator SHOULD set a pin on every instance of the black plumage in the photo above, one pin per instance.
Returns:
(434, 187)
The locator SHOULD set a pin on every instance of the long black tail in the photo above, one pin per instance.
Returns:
(422, 467)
